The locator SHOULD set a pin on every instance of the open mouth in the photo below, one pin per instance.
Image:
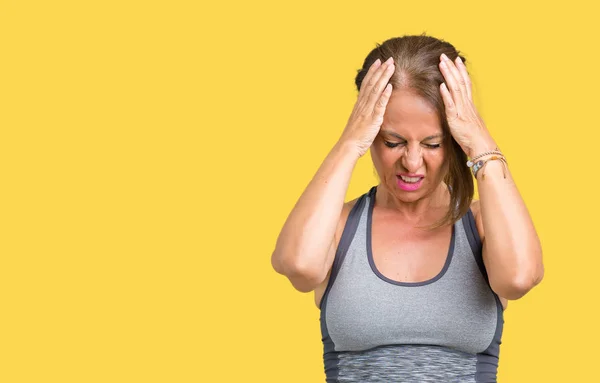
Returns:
(409, 184)
(410, 180)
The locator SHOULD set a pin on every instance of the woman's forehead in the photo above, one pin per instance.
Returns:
(406, 109)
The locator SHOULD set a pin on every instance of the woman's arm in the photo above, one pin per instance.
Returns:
(512, 251)
(304, 247)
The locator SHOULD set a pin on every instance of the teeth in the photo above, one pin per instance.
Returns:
(410, 179)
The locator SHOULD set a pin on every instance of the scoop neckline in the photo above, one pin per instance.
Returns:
(449, 254)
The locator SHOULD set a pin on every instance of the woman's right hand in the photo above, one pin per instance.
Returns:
(367, 116)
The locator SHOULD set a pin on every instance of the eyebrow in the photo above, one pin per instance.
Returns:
(394, 134)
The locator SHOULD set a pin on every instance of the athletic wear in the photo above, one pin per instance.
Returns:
(375, 329)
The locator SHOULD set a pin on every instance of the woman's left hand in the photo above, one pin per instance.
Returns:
(466, 125)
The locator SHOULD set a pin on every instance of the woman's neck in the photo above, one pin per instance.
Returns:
(434, 204)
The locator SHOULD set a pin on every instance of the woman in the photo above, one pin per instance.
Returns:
(412, 277)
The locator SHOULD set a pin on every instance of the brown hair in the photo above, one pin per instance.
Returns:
(416, 60)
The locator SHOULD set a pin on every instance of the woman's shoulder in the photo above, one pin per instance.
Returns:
(476, 210)
(349, 205)
(346, 209)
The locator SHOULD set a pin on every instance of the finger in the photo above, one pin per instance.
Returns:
(465, 75)
(372, 69)
(451, 112)
(379, 86)
(374, 78)
(381, 104)
(452, 81)
(457, 75)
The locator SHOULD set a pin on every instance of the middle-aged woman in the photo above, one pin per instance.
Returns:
(412, 277)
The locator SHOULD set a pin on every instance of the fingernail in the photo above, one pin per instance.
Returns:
(458, 59)
(445, 57)
(389, 60)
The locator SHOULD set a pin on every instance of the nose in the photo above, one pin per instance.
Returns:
(412, 158)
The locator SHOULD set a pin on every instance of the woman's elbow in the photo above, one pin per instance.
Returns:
(519, 287)
(303, 278)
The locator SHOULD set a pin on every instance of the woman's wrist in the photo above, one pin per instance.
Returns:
(481, 145)
(346, 150)
(494, 162)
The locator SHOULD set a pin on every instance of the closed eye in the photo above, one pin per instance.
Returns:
(391, 144)
(394, 144)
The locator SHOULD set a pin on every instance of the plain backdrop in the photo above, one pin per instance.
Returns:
(150, 152)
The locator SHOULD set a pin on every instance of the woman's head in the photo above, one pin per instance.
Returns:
(415, 137)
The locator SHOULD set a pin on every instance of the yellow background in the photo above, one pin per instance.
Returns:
(151, 151)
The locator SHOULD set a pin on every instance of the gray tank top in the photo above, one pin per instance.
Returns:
(375, 329)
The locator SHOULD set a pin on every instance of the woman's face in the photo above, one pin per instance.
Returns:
(410, 143)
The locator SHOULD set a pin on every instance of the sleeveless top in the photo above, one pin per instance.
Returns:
(375, 329)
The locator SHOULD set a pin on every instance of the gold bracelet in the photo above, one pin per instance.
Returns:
(492, 158)
(471, 162)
